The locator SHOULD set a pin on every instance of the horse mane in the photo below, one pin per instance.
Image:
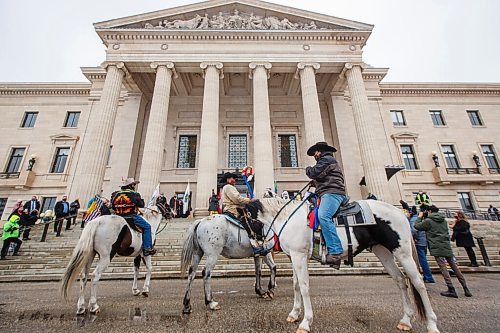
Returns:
(273, 205)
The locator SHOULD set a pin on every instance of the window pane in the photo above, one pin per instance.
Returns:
(437, 118)
(48, 203)
(465, 201)
(474, 118)
(29, 119)
(237, 151)
(409, 157)
(490, 156)
(450, 157)
(60, 160)
(287, 151)
(16, 157)
(3, 203)
(186, 157)
(72, 119)
(398, 118)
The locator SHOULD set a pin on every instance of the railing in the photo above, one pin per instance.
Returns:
(463, 171)
(471, 214)
(8, 175)
(494, 170)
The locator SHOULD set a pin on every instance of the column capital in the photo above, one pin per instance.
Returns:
(118, 64)
(302, 65)
(254, 65)
(351, 65)
(168, 64)
(218, 65)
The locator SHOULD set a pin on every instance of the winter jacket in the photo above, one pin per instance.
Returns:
(126, 202)
(11, 227)
(418, 236)
(232, 199)
(326, 175)
(438, 235)
(462, 235)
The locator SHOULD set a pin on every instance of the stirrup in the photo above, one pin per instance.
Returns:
(148, 252)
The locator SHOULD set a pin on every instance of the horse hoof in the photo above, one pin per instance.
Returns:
(145, 294)
(404, 327)
(291, 319)
(95, 309)
(136, 292)
(80, 312)
(270, 294)
(214, 306)
(187, 310)
(302, 330)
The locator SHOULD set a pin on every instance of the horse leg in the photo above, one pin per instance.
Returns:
(299, 262)
(293, 316)
(268, 259)
(387, 259)
(258, 272)
(147, 281)
(422, 298)
(101, 266)
(191, 275)
(83, 283)
(137, 265)
(207, 278)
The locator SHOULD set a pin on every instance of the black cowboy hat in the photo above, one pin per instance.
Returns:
(227, 175)
(320, 146)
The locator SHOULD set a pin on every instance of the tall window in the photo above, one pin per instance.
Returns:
(186, 157)
(29, 119)
(48, 203)
(489, 155)
(474, 118)
(465, 201)
(60, 160)
(398, 118)
(437, 118)
(287, 151)
(237, 151)
(15, 159)
(450, 156)
(409, 157)
(3, 203)
(72, 119)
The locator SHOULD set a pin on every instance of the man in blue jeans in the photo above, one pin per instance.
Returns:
(330, 187)
(421, 245)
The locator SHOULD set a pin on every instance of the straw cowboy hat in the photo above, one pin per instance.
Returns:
(227, 175)
(129, 181)
(320, 146)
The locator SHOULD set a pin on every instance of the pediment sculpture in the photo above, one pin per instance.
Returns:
(236, 20)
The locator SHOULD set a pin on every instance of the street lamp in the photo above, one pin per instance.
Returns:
(435, 158)
(31, 162)
(476, 159)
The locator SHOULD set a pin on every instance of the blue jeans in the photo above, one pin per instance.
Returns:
(329, 205)
(422, 259)
(147, 241)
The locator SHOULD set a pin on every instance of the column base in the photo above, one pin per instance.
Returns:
(201, 212)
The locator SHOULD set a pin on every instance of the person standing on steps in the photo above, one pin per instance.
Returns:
(463, 237)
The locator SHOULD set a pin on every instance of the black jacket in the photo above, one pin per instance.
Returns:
(462, 235)
(59, 209)
(126, 202)
(326, 175)
(27, 206)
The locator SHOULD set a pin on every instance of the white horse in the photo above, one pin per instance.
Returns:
(214, 236)
(107, 236)
(390, 238)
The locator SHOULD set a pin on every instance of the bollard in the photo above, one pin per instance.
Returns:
(45, 230)
(483, 251)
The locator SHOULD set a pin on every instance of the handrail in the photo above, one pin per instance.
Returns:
(463, 171)
(9, 175)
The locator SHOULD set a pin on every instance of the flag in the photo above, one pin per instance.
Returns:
(185, 199)
(94, 210)
(154, 196)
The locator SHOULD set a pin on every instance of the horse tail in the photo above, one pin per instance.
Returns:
(188, 248)
(416, 295)
(82, 254)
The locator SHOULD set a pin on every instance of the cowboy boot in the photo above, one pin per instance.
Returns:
(467, 292)
(333, 260)
(450, 293)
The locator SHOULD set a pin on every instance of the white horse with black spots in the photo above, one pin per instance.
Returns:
(389, 239)
(108, 236)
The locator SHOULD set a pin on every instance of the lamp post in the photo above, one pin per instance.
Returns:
(31, 162)
(476, 159)
(435, 158)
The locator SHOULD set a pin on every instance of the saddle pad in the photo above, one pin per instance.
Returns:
(358, 214)
(232, 220)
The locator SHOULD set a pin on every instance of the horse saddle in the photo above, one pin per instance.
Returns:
(355, 213)
(132, 225)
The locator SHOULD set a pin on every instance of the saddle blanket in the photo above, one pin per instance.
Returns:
(355, 214)
(232, 220)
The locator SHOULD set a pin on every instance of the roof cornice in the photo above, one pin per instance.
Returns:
(417, 89)
(40, 89)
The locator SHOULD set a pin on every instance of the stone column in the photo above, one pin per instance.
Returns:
(89, 173)
(262, 144)
(376, 179)
(154, 145)
(209, 137)
(312, 114)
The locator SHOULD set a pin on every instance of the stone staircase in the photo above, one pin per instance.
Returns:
(46, 261)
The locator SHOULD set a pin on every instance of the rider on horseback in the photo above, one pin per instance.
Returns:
(126, 203)
(330, 187)
(232, 201)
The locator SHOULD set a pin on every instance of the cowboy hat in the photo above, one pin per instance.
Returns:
(320, 146)
(227, 175)
(129, 181)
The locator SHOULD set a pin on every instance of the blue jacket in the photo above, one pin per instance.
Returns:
(418, 236)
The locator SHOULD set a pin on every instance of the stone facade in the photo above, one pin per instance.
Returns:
(272, 76)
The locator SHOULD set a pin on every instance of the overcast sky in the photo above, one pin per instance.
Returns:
(420, 41)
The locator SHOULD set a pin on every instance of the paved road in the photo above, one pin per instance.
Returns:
(348, 304)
